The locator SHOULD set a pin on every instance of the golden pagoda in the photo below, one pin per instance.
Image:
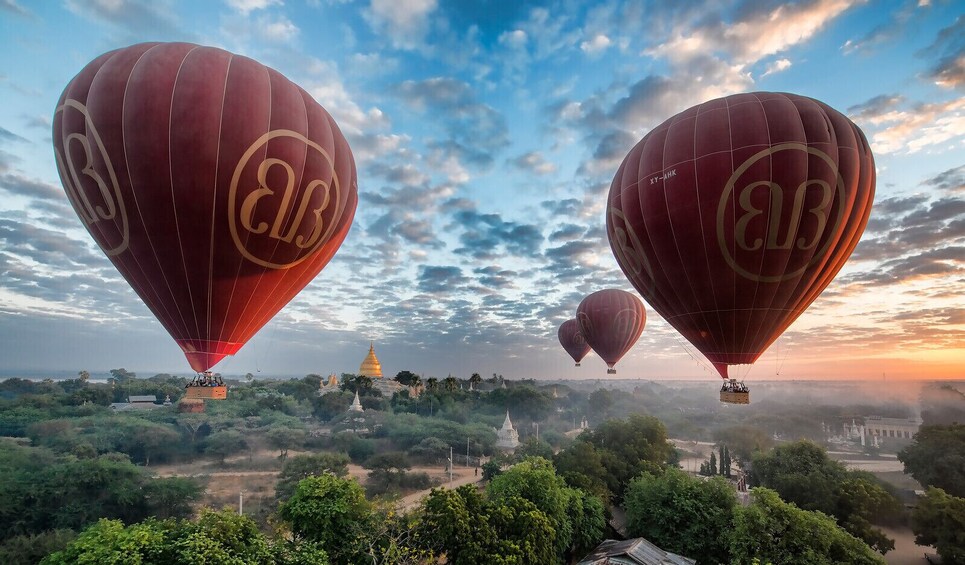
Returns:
(371, 367)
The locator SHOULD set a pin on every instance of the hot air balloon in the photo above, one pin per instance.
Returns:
(572, 340)
(611, 321)
(731, 217)
(216, 186)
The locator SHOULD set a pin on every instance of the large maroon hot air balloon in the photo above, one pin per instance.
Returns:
(611, 321)
(216, 186)
(572, 340)
(731, 217)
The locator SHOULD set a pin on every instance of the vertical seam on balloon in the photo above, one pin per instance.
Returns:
(770, 220)
(320, 257)
(680, 260)
(234, 282)
(703, 236)
(800, 278)
(214, 200)
(275, 298)
(174, 202)
(733, 220)
(130, 180)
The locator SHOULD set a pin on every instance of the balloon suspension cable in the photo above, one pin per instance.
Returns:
(779, 361)
(702, 362)
(262, 351)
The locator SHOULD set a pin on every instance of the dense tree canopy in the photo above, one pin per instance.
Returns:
(802, 473)
(216, 537)
(682, 514)
(773, 531)
(936, 458)
(939, 520)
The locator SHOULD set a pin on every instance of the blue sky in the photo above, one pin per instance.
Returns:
(486, 135)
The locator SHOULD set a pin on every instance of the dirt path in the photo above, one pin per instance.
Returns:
(906, 551)
(407, 503)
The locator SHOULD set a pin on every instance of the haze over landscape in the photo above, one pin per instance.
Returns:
(486, 136)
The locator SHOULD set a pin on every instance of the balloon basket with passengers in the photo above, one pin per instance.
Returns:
(217, 188)
(731, 218)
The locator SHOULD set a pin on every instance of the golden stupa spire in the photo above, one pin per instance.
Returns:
(370, 366)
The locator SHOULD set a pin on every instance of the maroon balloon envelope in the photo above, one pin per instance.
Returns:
(216, 186)
(572, 340)
(611, 321)
(731, 217)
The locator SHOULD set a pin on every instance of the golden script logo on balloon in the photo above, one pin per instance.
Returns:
(278, 224)
(796, 213)
(96, 199)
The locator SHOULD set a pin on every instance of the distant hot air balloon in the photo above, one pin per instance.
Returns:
(216, 186)
(572, 340)
(611, 321)
(731, 217)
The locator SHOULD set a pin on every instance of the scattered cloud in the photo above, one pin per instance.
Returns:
(405, 22)
(901, 127)
(598, 44)
(949, 49)
(247, 6)
(534, 162)
(777, 66)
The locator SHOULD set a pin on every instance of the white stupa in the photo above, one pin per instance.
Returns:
(356, 405)
(507, 437)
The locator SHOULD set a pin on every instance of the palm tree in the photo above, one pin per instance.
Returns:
(431, 383)
(475, 379)
(450, 383)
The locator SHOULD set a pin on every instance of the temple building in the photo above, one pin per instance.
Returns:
(331, 385)
(370, 366)
(507, 437)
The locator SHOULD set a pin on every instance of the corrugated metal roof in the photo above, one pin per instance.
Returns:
(142, 398)
(636, 551)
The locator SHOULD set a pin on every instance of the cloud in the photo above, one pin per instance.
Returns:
(952, 180)
(7, 136)
(131, 16)
(776, 67)
(437, 279)
(247, 6)
(534, 162)
(493, 276)
(949, 48)
(515, 39)
(488, 236)
(405, 22)
(598, 44)
(277, 29)
(15, 183)
(13, 7)
(474, 131)
(901, 127)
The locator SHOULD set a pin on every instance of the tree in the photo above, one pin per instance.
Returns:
(743, 442)
(432, 383)
(600, 402)
(173, 497)
(216, 537)
(682, 514)
(770, 530)
(449, 383)
(83, 376)
(939, 520)
(713, 463)
(224, 443)
(802, 473)
(475, 379)
(31, 549)
(936, 458)
(309, 465)
(284, 438)
(332, 512)
(406, 378)
(574, 516)
(469, 529)
(386, 470)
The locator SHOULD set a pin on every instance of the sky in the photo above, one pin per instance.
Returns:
(486, 135)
